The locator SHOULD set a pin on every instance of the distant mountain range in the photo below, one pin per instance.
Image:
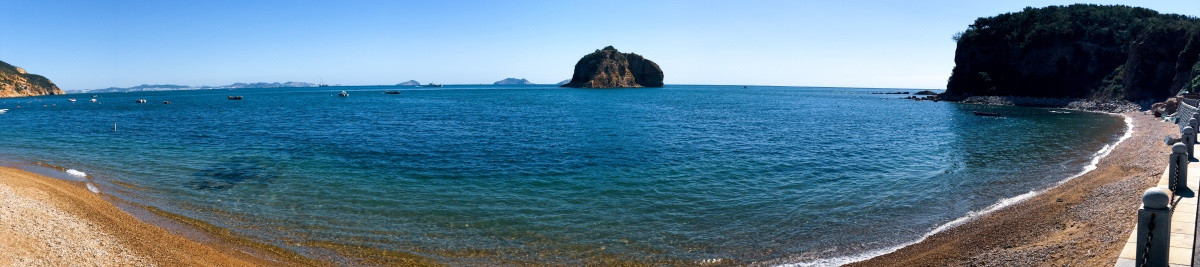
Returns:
(170, 87)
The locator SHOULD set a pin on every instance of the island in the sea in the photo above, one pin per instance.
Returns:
(609, 68)
(512, 81)
(409, 83)
(15, 82)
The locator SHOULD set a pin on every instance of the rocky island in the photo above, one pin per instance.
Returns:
(512, 81)
(1060, 54)
(609, 68)
(15, 82)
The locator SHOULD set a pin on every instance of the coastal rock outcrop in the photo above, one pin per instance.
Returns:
(1081, 51)
(409, 83)
(15, 82)
(609, 68)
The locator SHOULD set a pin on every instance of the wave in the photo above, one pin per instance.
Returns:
(76, 173)
(970, 216)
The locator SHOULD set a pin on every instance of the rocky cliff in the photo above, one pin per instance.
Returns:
(16, 82)
(609, 68)
(1079, 51)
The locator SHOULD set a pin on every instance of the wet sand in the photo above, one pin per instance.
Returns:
(1083, 222)
(51, 222)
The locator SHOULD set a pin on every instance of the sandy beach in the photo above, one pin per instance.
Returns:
(1083, 222)
(51, 222)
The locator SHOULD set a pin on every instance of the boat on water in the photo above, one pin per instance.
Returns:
(3, 110)
(71, 99)
(166, 102)
(985, 114)
(434, 85)
(323, 85)
(392, 92)
(234, 97)
(343, 94)
(93, 100)
(141, 101)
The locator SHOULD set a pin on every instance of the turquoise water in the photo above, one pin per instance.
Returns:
(534, 174)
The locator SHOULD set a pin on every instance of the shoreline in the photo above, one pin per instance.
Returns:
(1080, 104)
(51, 221)
(971, 216)
(1045, 226)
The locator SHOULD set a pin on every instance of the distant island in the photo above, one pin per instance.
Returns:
(512, 81)
(609, 68)
(1081, 51)
(171, 87)
(563, 82)
(409, 83)
(16, 82)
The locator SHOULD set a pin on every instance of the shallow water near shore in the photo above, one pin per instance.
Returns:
(503, 174)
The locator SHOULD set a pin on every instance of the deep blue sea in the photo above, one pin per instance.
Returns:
(469, 175)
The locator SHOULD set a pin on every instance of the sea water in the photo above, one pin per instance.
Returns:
(538, 174)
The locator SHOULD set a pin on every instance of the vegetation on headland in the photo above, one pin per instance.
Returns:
(1079, 51)
(15, 82)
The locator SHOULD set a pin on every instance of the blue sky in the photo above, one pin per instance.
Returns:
(97, 44)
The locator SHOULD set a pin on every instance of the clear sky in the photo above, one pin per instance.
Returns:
(97, 44)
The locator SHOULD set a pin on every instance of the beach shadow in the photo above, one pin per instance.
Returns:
(231, 173)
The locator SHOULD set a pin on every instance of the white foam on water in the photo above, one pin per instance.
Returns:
(93, 188)
(76, 173)
(1002, 203)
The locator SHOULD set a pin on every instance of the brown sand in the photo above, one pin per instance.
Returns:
(50, 222)
(1083, 222)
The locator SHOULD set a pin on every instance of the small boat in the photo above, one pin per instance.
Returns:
(71, 99)
(93, 100)
(396, 92)
(166, 102)
(141, 101)
(323, 85)
(343, 94)
(235, 97)
(985, 114)
(3, 110)
(434, 85)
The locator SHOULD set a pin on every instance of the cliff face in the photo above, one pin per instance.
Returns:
(16, 82)
(1078, 51)
(609, 68)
